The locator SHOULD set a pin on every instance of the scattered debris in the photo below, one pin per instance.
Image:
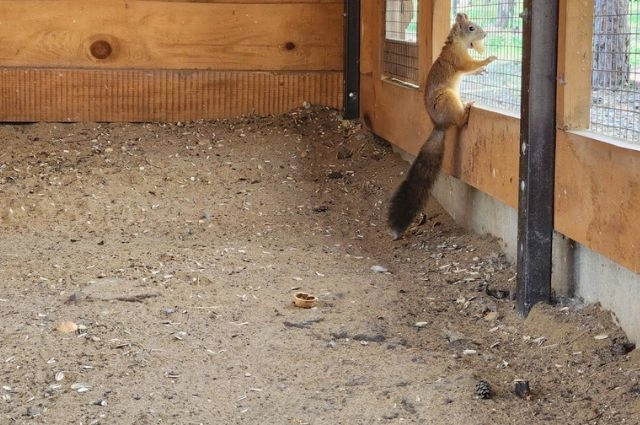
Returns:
(168, 310)
(304, 324)
(138, 298)
(621, 346)
(379, 269)
(34, 411)
(66, 327)
(369, 338)
(521, 388)
(180, 335)
(483, 390)
(78, 297)
(492, 316)
(80, 387)
(159, 239)
(454, 336)
(500, 294)
(304, 300)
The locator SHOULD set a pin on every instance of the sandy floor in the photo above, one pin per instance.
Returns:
(177, 251)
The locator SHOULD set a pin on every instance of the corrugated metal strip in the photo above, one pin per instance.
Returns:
(38, 94)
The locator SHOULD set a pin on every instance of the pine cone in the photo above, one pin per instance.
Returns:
(483, 390)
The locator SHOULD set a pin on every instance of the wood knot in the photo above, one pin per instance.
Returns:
(289, 45)
(100, 49)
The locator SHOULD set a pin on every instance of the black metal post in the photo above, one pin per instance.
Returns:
(351, 59)
(537, 153)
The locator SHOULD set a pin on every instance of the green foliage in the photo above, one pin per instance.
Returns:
(412, 28)
(506, 46)
(634, 25)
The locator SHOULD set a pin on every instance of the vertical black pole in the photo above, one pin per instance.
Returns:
(537, 152)
(351, 59)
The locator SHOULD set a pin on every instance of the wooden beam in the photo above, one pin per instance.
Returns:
(574, 64)
(440, 27)
(245, 1)
(537, 149)
(486, 154)
(108, 34)
(597, 196)
(58, 94)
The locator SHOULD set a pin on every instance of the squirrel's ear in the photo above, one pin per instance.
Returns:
(461, 17)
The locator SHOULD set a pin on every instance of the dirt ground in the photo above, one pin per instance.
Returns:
(177, 250)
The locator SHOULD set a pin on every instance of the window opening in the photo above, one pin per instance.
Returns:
(499, 87)
(401, 41)
(615, 96)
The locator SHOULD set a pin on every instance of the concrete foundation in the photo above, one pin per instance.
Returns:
(577, 270)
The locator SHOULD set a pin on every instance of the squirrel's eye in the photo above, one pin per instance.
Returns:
(472, 28)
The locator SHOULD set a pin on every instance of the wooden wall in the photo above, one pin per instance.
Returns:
(144, 60)
(597, 191)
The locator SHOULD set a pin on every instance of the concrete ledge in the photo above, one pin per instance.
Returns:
(577, 270)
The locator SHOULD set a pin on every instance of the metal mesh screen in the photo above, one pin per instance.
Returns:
(400, 45)
(615, 97)
(500, 87)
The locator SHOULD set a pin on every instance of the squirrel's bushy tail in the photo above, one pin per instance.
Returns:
(413, 192)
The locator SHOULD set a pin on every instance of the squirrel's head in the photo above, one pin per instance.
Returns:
(469, 32)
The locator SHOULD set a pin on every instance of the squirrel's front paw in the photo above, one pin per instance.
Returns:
(491, 58)
(465, 117)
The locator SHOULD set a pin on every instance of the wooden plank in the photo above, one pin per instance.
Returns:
(245, 1)
(28, 94)
(597, 183)
(370, 39)
(486, 154)
(402, 122)
(574, 64)
(426, 39)
(597, 197)
(392, 111)
(439, 28)
(171, 35)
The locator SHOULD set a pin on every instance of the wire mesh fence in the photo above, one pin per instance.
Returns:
(400, 45)
(499, 88)
(615, 97)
